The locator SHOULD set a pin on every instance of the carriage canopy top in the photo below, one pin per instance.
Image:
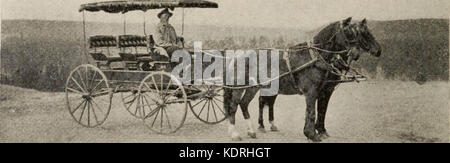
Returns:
(144, 5)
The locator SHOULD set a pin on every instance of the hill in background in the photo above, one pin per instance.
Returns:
(40, 54)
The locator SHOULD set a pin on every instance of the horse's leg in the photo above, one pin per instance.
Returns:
(322, 105)
(271, 103)
(262, 102)
(245, 101)
(310, 116)
(266, 101)
(231, 101)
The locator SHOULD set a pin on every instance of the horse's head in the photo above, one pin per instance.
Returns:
(357, 37)
(352, 39)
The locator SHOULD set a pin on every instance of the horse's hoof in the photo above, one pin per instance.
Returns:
(262, 129)
(236, 138)
(315, 139)
(274, 129)
(323, 136)
(252, 134)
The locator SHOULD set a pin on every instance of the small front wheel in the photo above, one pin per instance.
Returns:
(208, 107)
(132, 101)
(164, 97)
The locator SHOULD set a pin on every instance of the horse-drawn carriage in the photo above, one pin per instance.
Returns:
(127, 64)
(149, 92)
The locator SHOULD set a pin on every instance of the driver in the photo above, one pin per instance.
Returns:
(166, 38)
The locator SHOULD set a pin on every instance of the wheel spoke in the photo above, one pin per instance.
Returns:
(99, 108)
(82, 112)
(162, 112)
(148, 104)
(168, 86)
(203, 107)
(156, 86)
(196, 88)
(131, 95)
(101, 92)
(157, 113)
(89, 114)
(214, 111)
(92, 80)
(74, 91)
(150, 89)
(82, 80)
(207, 115)
(150, 98)
(198, 102)
(146, 100)
(78, 107)
(219, 107)
(168, 120)
(218, 100)
(93, 112)
(130, 104)
(79, 86)
(131, 101)
(101, 81)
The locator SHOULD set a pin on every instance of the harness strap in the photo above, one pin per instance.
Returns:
(292, 78)
(311, 50)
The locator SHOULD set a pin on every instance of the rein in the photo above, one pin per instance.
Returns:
(313, 48)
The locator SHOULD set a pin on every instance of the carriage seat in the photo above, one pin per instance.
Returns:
(141, 45)
(100, 45)
(103, 49)
(135, 41)
(135, 49)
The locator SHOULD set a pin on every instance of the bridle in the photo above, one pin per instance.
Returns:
(352, 38)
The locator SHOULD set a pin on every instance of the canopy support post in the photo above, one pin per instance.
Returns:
(124, 24)
(145, 33)
(182, 24)
(84, 38)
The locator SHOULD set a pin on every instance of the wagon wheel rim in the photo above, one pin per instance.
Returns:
(131, 100)
(88, 96)
(165, 98)
(209, 107)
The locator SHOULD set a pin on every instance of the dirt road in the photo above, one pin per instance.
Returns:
(366, 112)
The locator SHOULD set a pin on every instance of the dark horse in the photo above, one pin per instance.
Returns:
(311, 81)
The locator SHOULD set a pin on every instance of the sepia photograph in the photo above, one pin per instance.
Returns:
(224, 71)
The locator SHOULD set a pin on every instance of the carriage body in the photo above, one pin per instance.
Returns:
(128, 65)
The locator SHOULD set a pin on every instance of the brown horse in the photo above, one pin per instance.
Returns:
(311, 81)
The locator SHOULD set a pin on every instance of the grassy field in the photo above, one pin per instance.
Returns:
(374, 111)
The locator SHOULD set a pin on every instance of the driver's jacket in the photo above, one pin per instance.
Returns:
(165, 35)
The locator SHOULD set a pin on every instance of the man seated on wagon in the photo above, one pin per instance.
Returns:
(166, 38)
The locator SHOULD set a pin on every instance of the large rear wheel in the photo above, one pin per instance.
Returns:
(88, 96)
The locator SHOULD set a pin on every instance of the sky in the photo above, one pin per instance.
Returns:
(303, 14)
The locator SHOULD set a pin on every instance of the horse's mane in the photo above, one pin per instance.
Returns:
(326, 33)
(323, 36)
